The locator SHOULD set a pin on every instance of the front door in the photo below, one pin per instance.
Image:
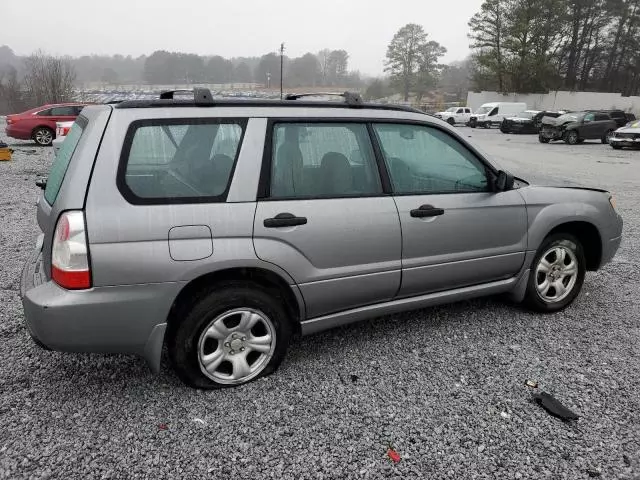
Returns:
(455, 231)
(324, 218)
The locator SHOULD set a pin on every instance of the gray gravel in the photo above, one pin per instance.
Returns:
(444, 386)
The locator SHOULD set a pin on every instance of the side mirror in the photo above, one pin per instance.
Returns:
(504, 181)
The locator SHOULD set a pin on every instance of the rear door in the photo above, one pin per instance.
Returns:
(323, 216)
(456, 232)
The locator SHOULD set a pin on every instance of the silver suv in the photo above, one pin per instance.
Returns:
(221, 228)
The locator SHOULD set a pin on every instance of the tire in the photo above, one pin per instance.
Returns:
(539, 300)
(606, 137)
(229, 305)
(615, 147)
(473, 123)
(43, 136)
(543, 139)
(451, 121)
(571, 137)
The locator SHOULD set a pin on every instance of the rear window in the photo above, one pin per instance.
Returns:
(179, 161)
(62, 160)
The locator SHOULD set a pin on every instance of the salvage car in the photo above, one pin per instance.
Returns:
(523, 122)
(627, 136)
(455, 115)
(576, 127)
(222, 228)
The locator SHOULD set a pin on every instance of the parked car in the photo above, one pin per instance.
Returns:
(627, 136)
(523, 122)
(576, 127)
(39, 124)
(455, 115)
(620, 117)
(493, 113)
(537, 120)
(62, 128)
(166, 223)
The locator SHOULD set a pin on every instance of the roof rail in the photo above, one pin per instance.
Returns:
(201, 96)
(350, 98)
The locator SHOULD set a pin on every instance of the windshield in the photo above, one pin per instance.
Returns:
(452, 109)
(570, 117)
(525, 115)
(484, 109)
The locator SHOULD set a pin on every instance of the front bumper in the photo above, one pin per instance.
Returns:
(625, 142)
(113, 319)
(552, 133)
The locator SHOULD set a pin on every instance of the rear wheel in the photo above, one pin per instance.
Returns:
(615, 147)
(543, 139)
(571, 137)
(607, 136)
(232, 335)
(43, 136)
(557, 273)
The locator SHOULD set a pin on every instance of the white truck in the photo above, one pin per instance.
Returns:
(490, 114)
(455, 115)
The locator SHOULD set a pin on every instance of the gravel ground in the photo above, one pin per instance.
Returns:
(444, 386)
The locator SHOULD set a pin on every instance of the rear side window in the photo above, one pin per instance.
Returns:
(602, 116)
(179, 161)
(62, 160)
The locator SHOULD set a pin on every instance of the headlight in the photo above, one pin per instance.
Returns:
(612, 201)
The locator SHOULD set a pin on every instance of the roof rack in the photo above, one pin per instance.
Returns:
(350, 98)
(201, 96)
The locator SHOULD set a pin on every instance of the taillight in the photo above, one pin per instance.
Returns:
(9, 121)
(70, 253)
(65, 130)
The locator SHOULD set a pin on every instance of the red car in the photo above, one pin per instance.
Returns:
(39, 124)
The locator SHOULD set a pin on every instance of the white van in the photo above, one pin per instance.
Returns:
(493, 113)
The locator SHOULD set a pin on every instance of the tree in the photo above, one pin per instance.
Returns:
(412, 60)
(269, 64)
(487, 39)
(48, 79)
(219, 70)
(323, 58)
(378, 88)
(338, 63)
(109, 76)
(10, 93)
(303, 71)
(242, 73)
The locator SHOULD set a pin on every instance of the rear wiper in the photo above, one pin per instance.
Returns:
(42, 183)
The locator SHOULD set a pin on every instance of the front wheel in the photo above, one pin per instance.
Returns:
(607, 136)
(232, 335)
(615, 147)
(543, 139)
(473, 123)
(43, 136)
(557, 274)
(451, 121)
(571, 137)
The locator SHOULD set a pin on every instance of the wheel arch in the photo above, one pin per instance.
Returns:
(265, 278)
(48, 127)
(588, 235)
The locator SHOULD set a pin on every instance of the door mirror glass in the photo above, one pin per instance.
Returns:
(504, 181)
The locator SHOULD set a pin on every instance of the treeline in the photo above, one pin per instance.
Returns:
(540, 45)
(325, 68)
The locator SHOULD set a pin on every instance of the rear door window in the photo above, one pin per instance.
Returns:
(63, 112)
(179, 161)
(62, 160)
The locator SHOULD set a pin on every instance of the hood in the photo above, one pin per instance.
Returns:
(632, 127)
(520, 119)
(554, 122)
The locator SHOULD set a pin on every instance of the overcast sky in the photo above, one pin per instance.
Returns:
(232, 28)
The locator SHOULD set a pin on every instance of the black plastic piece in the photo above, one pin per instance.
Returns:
(284, 220)
(42, 183)
(201, 96)
(426, 211)
(554, 407)
(350, 98)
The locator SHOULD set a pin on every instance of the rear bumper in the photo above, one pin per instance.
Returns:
(117, 319)
(14, 132)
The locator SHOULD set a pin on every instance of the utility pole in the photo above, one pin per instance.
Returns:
(281, 66)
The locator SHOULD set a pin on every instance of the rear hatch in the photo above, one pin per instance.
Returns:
(66, 186)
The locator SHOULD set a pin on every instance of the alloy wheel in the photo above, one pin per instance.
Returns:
(236, 346)
(43, 136)
(556, 274)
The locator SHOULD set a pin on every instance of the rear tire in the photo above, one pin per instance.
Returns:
(607, 135)
(555, 279)
(245, 316)
(43, 136)
(543, 139)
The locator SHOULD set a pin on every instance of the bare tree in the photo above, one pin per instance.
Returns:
(48, 79)
(324, 57)
(10, 94)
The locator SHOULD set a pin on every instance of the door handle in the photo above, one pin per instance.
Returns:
(284, 220)
(426, 211)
